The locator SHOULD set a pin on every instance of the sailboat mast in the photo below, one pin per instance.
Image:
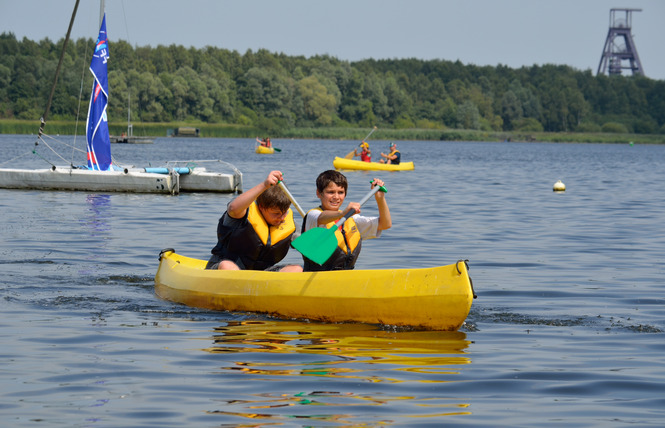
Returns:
(101, 11)
(130, 130)
(57, 71)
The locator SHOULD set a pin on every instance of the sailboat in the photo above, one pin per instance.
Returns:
(101, 174)
(129, 137)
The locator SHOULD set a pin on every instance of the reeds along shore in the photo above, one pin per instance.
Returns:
(12, 126)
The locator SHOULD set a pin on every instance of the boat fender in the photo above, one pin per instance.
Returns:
(53, 168)
(559, 187)
(166, 250)
(179, 170)
(126, 171)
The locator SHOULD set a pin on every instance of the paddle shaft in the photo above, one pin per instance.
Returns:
(370, 133)
(293, 200)
(362, 202)
(353, 153)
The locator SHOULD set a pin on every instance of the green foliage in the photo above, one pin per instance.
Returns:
(614, 127)
(588, 127)
(403, 122)
(468, 116)
(274, 93)
(528, 124)
(428, 124)
(318, 104)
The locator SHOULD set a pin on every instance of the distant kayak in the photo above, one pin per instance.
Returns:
(341, 163)
(263, 150)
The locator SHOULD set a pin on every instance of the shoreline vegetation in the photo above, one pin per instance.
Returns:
(226, 94)
(58, 127)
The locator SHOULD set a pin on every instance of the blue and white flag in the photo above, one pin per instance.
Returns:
(99, 141)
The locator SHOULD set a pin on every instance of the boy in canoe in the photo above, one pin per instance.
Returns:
(256, 230)
(331, 187)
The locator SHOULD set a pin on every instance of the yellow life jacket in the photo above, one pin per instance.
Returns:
(270, 235)
(348, 248)
(397, 160)
(254, 245)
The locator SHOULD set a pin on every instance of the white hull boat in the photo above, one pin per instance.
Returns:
(67, 178)
(102, 174)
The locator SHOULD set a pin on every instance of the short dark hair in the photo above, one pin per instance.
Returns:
(326, 177)
(274, 197)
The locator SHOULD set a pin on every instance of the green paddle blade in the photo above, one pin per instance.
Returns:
(317, 244)
(277, 150)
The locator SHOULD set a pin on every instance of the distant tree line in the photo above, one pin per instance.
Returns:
(274, 91)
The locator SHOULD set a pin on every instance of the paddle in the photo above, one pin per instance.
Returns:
(319, 243)
(351, 154)
(293, 200)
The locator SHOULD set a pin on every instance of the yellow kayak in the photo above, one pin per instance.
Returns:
(263, 150)
(436, 298)
(342, 163)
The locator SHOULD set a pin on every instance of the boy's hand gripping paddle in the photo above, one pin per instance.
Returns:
(318, 244)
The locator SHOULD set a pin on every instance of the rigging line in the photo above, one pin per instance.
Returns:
(17, 157)
(57, 71)
(59, 142)
(124, 15)
(45, 143)
(78, 109)
(35, 152)
(129, 89)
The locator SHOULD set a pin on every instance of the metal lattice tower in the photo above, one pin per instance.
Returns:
(615, 54)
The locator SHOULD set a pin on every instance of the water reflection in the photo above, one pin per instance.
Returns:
(417, 371)
(96, 222)
(98, 215)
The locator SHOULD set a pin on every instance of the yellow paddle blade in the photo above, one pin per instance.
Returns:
(350, 155)
(316, 244)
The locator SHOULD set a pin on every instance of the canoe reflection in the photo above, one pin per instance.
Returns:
(347, 359)
(345, 340)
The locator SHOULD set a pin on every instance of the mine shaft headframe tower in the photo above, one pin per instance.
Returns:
(616, 55)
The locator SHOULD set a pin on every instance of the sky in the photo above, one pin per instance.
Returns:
(513, 33)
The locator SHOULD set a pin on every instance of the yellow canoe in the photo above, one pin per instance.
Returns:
(436, 298)
(263, 150)
(342, 163)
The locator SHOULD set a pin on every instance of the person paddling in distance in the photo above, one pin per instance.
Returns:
(256, 230)
(365, 154)
(393, 157)
(265, 142)
(331, 188)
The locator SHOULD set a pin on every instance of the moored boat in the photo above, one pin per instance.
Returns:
(69, 178)
(130, 139)
(342, 163)
(194, 178)
(169, 180)
(437, 298)
(102, 173)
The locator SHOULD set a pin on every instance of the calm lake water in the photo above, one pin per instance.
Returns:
(568, 328)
